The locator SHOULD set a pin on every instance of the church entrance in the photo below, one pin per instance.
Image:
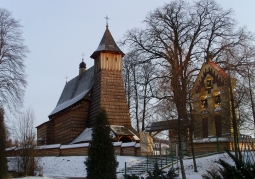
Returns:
(125, 139)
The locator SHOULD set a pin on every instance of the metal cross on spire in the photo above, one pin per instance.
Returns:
(82, 56)
(66, 78)
(107, 18)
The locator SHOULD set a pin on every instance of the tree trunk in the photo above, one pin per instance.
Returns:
(251, 98)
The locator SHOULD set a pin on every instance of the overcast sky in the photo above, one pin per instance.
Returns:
(58, 32)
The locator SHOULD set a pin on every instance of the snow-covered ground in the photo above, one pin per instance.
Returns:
(74, 166)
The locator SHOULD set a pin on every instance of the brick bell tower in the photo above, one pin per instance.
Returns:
(108, 88)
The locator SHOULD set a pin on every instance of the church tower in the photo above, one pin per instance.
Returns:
(108, 89)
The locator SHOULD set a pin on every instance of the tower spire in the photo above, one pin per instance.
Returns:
(107, 44)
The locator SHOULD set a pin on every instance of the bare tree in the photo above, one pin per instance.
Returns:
(182, 34)
(138, 84)
(24, 134)
(239, 61)
(12, 55)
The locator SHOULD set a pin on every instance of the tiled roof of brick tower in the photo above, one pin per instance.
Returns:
(107, 44)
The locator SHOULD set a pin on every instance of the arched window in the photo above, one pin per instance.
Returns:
(204, 103)
(217, 100)
(209, 82)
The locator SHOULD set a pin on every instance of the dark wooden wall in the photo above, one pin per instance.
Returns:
(108, 92)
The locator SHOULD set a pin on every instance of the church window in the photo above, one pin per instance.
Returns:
(209, 82)
(204, 103)
(217, 100)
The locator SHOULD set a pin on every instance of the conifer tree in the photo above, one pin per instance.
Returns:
(3, 161)
(101, 162)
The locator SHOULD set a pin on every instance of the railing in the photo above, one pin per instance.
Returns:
(145, 164)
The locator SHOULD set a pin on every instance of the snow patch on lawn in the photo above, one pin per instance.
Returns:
(74, 166)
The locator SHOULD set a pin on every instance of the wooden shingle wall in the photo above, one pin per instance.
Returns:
(81, 151)
(47, 152)
(108, 92)
(63, 128)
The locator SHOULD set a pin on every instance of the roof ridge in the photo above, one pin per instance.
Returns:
(219, 69)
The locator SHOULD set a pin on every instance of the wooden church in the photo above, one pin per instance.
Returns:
(100, 86)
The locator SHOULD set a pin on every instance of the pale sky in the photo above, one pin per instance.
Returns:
(58, 32)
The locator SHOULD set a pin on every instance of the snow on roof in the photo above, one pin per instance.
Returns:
(128, 144)
(23, 147)
(74, 146)
(213, 139)
(75, 90)
(85, 136)
(10, 148)
(117, 143)
(52, 146)
(68, 103)
(137, 145)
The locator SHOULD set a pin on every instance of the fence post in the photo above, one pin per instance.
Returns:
(125, 170)
(166, 156)
(172, 161)
(147, 163)
(218, 144)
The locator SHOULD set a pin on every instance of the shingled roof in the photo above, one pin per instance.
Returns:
(166, 125)
(75, 90)
(218, 69)
(107, 44)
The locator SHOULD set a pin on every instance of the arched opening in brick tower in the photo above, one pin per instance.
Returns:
(125, 139)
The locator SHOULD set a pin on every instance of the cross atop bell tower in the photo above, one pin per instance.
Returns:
(106, 18)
